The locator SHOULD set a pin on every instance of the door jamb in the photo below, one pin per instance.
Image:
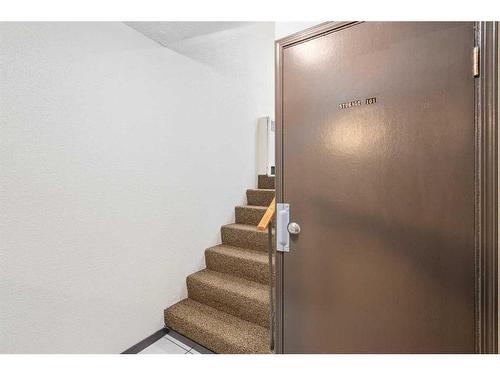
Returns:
(486, 196)
(486, 179)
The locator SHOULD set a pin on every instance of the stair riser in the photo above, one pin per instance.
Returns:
(244, 268)
(249, 215)
(265, 182)
(242, 238)
(245, 308)
(260, 197)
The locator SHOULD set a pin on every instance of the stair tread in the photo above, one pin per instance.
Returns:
(245, 236)
(240, 252)
(238, 261)
(233, 284)
(216, 330)
(245, 299)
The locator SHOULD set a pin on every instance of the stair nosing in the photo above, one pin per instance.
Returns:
(237, 248)
(252, 207)
(248, 227)
(260, 258)
(239, 280)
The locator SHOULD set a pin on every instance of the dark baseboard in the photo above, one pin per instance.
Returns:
(146, 342)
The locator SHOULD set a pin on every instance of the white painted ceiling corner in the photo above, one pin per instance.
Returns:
(169, 32)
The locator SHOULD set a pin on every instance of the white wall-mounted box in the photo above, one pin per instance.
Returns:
(265, 146)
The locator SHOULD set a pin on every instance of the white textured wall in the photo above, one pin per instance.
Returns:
(119, 161)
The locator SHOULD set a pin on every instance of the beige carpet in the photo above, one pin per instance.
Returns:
(227, 309)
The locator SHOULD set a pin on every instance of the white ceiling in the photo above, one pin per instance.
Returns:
(166, 33)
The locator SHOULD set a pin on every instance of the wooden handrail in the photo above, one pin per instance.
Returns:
(268, 216)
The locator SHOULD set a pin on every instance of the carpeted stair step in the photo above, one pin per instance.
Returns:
(246, 236)
(260, 197)
(250, 215)
(249, 264)
(266, 182)
(242, 298)
(216, 330)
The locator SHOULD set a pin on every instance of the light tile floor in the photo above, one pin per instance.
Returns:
(175, 343)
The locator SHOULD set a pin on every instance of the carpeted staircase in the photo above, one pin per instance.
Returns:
(227, 309)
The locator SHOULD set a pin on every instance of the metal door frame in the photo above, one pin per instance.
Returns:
(486, 176)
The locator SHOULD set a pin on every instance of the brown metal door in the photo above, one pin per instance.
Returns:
(378, 168)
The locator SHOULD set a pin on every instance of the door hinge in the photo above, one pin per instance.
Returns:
(475, 62)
